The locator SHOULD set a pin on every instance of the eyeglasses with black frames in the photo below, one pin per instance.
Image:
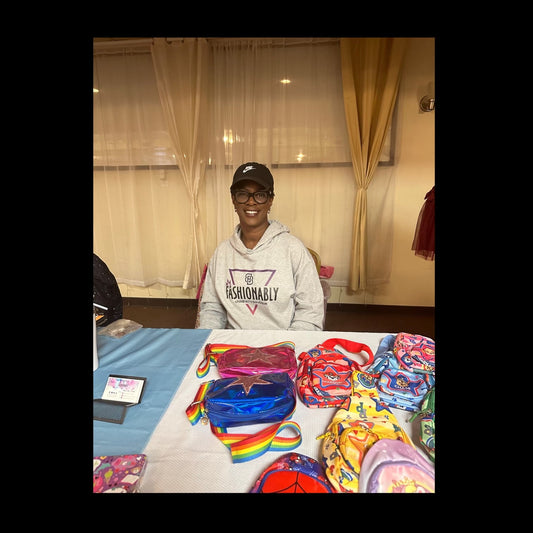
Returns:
(261, 197)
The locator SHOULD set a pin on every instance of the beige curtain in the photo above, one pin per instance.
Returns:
(181, 69)
(138, 231)
(371, 69)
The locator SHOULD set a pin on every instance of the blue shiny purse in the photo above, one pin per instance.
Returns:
(246, 400)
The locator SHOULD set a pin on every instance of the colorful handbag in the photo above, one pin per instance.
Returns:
(415, 352)
(246, 400)
(293, 473)
(118, 473)
(240, 360)
(427, 423)
(402, 389)
(398, 387)
(391, 466)
(325, 374)
(352, 432)
(384, 357)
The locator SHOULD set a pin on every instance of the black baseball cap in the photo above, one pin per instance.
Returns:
(254, 172)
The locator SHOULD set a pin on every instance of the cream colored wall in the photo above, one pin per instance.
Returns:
(157, 290)
(412, 281)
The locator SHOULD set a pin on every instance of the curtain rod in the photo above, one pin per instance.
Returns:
(121, 42)
(145, 42)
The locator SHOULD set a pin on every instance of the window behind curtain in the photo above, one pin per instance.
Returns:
(296, 128)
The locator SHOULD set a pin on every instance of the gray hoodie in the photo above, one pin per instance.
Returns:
(273, 286)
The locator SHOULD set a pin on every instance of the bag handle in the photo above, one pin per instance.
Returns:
(212, 352)
(243, 446)
(196, 411)
(352, 347)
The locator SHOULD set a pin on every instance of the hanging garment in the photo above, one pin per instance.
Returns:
(424, 240)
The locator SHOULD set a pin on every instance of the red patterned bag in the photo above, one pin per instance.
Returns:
(325, 375)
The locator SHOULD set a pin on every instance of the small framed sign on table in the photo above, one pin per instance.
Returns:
(120, 392)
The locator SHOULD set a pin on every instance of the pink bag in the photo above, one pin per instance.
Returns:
(415, 353)
(239, 360)
(118, 473)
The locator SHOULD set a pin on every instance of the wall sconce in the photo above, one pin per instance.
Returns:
(427, 103)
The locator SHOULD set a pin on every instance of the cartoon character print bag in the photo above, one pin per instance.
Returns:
(241, 360)
(402, 389)
(118, 473)
(427, 423)
(325, 375)
(352, 432)
(398, 387)
(415, 353)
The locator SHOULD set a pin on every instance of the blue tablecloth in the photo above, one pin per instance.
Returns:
(160, 355)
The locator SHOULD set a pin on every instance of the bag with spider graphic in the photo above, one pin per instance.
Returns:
(293, 473)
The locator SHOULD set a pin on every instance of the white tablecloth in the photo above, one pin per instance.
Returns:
(186, 458)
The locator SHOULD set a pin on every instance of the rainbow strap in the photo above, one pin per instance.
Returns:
(211, 354)
(195, 411)
(213, 351)
(245, 447)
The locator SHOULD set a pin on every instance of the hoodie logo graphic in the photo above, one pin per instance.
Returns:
(251, 287)
(246, 169)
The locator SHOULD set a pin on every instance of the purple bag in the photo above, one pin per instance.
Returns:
(394, 466)
(239, 360)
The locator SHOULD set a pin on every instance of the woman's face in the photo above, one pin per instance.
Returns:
(251, 213)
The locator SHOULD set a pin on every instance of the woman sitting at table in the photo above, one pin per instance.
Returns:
(262, 277)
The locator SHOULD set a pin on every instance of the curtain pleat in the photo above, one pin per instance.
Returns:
(181, 70)
(371, 70)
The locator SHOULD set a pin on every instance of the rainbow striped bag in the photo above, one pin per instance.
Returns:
(240, 360)
(248, 400)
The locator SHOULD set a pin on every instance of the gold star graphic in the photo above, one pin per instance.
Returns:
(248, 382)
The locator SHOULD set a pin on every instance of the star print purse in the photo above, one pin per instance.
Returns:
(325, 375)
(246, 400)
(239, 360)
